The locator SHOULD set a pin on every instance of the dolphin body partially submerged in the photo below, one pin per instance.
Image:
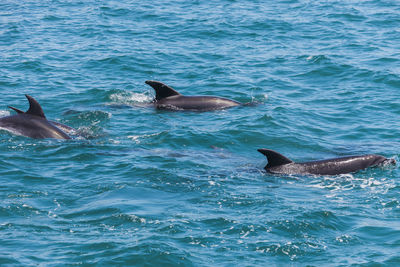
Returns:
(168, 98)
(279, 164)
(33, 123)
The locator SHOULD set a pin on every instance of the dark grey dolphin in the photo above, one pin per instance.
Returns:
(168, 98)
(278, 163)
(33, 123)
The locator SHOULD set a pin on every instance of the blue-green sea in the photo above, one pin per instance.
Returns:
(139, 186)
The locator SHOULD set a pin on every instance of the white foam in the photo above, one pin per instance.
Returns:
(137, 138)
(129, 98)
(4, 113)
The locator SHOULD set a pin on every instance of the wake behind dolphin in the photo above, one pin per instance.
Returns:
(33, 123)
(279, 164)
(168, 98)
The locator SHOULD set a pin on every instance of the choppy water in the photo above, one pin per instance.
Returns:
(148, 187)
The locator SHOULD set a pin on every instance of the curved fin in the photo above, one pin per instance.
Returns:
(34, 107)
(162, 90)
(16, 110)
(274, 158)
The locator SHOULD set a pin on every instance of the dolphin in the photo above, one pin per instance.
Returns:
(33, 123)
(168, 98)
(279, 164)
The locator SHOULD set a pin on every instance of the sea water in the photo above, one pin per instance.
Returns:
(139, 186)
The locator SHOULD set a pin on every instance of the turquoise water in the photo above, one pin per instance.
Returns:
(158, 188)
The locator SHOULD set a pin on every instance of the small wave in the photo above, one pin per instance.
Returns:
(4, 113)
(346, 239)
(93, 117)
(293, 250)
(348, 182)
(129, 98)
(137, 138)
(90, 123)
(257, 99)
(90, 132)
(318, 59)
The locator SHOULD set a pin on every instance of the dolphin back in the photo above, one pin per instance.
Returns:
(33, 123)
(278, 163)
(343, 165)
(168, 98)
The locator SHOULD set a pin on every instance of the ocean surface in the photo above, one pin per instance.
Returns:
(143, 187)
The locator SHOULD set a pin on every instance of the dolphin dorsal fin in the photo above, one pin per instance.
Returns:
(16, 110)
(34, 107)
(162, 90)
(274, 158)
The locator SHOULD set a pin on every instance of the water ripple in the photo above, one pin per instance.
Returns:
(140, 186)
